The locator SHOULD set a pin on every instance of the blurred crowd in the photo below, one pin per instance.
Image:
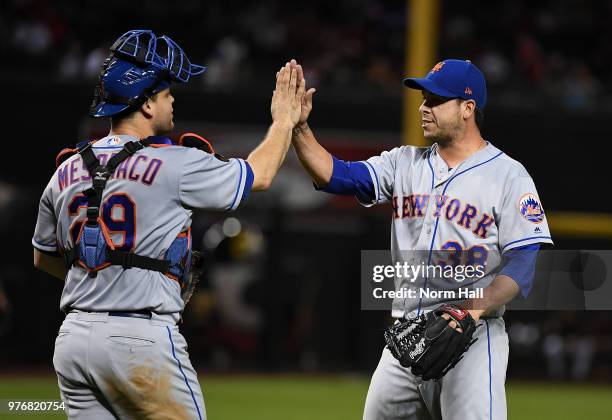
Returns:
(563, 345)
(345, 42)
(556, 52)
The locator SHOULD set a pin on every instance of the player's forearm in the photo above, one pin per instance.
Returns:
(51, 265)
(269, 155)
(315, 159)
(501, 291)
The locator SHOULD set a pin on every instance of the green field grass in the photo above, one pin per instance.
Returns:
(331, 398)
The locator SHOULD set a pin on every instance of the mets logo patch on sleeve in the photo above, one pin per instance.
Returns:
(531, 209)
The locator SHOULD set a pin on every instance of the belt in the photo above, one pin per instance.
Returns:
(132, 314)
(144, 314)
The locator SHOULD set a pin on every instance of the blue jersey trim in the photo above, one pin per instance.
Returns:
(183, 373)
(377, 182)
(470, 168)
(107, 147)
(49, 245)
(44, 247)
(248, 184)
(433, 175)
(239, 183)
(433, 237)
(490, 372)
(160, 140)
(525, 239)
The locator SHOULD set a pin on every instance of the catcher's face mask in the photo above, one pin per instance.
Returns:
(143, 47)
(140, 65)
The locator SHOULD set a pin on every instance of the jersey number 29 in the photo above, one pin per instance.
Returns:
(118, 213)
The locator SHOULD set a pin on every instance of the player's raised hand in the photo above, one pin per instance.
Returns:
(307, 99)
(288, 95)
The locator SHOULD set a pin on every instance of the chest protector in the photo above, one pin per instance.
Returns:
(94, 249)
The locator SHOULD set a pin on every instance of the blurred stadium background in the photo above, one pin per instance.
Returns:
(276, 328)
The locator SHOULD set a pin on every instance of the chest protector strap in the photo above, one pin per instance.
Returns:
(94, 249)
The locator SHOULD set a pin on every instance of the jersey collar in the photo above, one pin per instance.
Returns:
(117, 141)
(441, 171)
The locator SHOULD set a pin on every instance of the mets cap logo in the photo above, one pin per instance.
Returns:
(438, 67)
(531, 209)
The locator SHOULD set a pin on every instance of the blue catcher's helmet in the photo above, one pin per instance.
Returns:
(140, 65)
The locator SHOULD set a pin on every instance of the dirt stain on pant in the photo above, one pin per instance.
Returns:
(147, 395)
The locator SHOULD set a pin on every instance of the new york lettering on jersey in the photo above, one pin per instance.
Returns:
(476, 210)
(478, 202)
(464, 215)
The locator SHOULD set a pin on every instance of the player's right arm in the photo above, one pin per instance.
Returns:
(44, 241)
(267, 158)
(50, 264)
(370, 181)
(330, 174)
(317, 161)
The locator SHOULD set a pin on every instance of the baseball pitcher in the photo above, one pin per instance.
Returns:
(445, 358)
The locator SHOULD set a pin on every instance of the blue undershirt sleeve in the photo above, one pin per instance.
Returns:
(351, 178)
(519, 264)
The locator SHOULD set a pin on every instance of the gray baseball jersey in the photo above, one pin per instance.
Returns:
(146, 204)
(484, 207)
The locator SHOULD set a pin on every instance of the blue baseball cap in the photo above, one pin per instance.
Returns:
(453, 79)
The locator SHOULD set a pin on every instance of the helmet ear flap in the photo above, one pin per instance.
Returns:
(98, 95)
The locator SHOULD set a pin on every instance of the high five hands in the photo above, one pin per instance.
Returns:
(306, 98)
(288, 96)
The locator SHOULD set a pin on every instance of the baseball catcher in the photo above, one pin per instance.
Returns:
(114, 224)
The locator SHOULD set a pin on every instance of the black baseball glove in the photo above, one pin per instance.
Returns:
(428, 344)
